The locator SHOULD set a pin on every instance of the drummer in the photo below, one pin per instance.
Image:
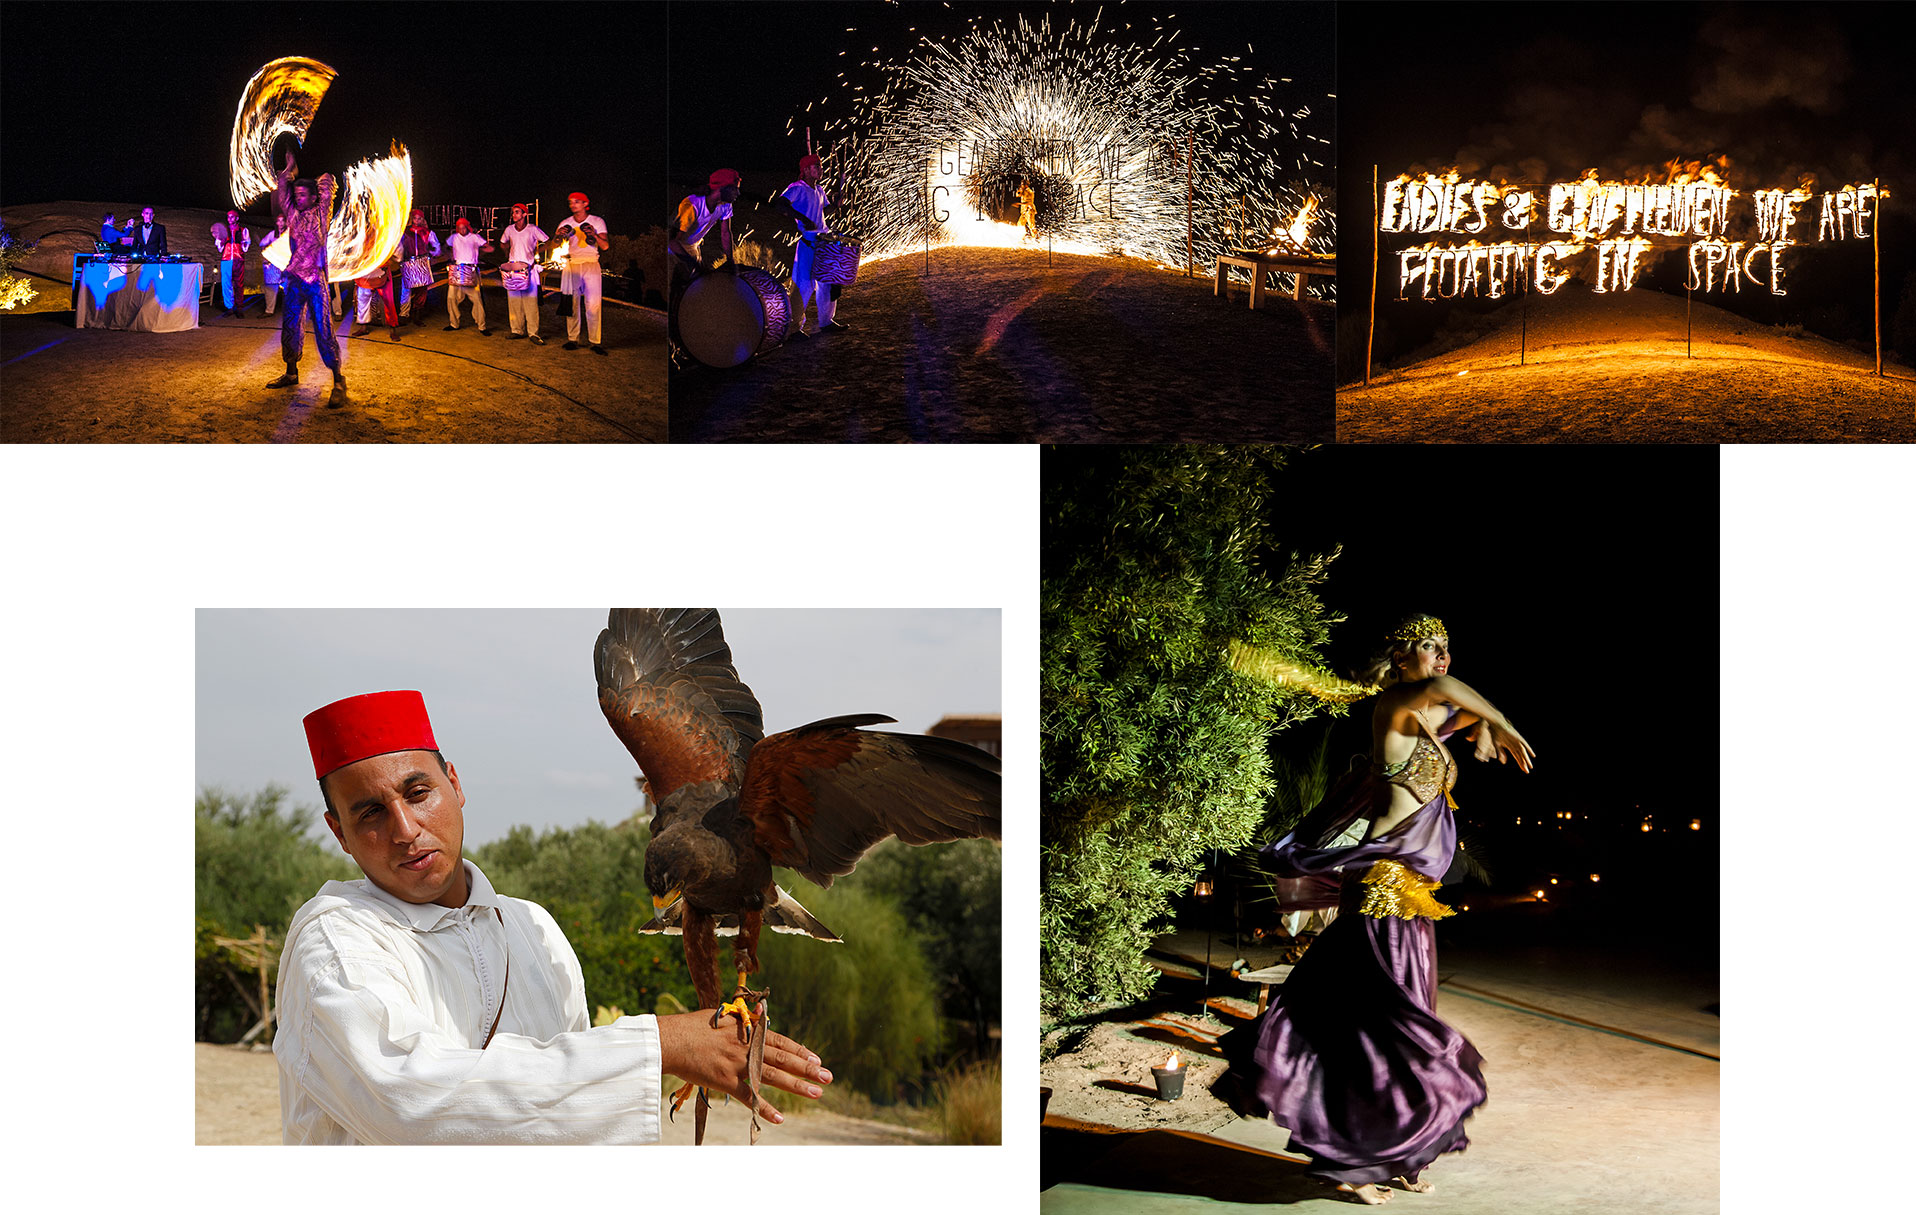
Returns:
(697, 215)
(585, 239)
(807, 202)
(466, 246)
(522, 240)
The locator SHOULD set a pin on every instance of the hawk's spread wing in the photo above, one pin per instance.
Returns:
(667, 685)
(823, 795)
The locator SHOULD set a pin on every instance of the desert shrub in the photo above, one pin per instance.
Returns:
(970, 1104)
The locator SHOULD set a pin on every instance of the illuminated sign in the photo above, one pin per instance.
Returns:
(1536, 237)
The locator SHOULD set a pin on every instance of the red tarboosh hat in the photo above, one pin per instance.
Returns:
(582, 198)
(805, 161)
(359, 727)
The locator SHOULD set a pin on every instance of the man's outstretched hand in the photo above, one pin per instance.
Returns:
(715, 1057)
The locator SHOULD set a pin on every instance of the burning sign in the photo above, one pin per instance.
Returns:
(1610, 226)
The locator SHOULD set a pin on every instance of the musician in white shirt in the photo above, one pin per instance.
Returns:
(807, 203)
(585, 238)
(466, 247)
(418, 1005)
(522, 240)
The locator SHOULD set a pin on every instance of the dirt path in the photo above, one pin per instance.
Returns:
(1618, 371)
(208, 385)
(237, 1101)
(999, 345)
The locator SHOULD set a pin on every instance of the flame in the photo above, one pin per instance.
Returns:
(369, 216)
(1295, 237)
(281, 97)
(372, 206)
(1172, 1064)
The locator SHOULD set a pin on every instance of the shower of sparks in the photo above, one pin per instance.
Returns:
(1107, 128)
(374, 201)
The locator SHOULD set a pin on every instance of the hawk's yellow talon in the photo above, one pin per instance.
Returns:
(737, 1006)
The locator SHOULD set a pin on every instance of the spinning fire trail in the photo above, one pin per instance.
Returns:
(375, 198)
(1123, 143)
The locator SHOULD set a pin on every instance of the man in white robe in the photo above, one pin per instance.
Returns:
(418, 1005)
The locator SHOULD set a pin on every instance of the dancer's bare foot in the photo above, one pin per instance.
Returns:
(1415, 1187)
(1369, 1195)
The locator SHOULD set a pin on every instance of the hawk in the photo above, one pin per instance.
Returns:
(733, 803)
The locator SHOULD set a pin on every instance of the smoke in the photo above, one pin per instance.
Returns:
(1757, 58)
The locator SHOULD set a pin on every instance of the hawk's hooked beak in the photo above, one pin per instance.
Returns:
(661, 901)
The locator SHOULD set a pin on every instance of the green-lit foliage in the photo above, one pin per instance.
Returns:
(1153, 751)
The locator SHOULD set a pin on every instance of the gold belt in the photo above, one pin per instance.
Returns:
(1392, 890)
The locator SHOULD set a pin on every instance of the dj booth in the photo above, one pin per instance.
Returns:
(158, 294)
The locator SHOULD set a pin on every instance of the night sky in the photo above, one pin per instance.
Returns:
(1582, 597)
(497, 103)
(1547, 91)
(771, 59)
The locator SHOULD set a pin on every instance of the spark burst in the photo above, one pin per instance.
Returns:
(1100, 123)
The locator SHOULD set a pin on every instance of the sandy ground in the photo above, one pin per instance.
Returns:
(1603, 1083)
(1613, 370)
(67, 385)
(993, 345)
(237, 1101)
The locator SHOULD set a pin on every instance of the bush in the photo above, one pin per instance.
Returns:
(868, 1007)
(970, 1105)
(255, 862)
(1152, 750)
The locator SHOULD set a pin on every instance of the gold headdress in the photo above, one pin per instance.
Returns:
(1273, 667)
(1416, 630)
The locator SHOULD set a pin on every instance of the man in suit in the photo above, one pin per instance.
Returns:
(149, 238)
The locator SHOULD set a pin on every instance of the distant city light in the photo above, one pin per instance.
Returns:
(1593, 877)
(1696, 824)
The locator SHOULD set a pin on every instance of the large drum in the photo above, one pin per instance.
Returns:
(515, 276)
(726, 316)
(834, 258)
(462, 274)
(418, 272)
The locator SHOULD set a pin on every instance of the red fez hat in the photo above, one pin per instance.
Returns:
(582, 198)
(360, 727)
(807, 162)
(723, 177)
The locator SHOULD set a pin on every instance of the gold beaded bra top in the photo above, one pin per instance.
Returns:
(1428, 772)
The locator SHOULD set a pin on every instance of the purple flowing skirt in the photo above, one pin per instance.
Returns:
(1351, 1059)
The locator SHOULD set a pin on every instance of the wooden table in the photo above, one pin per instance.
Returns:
(1265, 979)
(1299, 265)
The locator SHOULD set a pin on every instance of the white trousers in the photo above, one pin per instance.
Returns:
(806, 288)
(584, 283)
(522, 309)
(455, 293)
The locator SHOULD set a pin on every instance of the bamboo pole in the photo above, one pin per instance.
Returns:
(1876, 249)
(1190, 158)
(1376, 222)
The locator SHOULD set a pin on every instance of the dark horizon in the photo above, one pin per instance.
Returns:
(163, 138)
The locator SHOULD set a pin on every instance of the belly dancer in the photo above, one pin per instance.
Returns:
(1351, 1056)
